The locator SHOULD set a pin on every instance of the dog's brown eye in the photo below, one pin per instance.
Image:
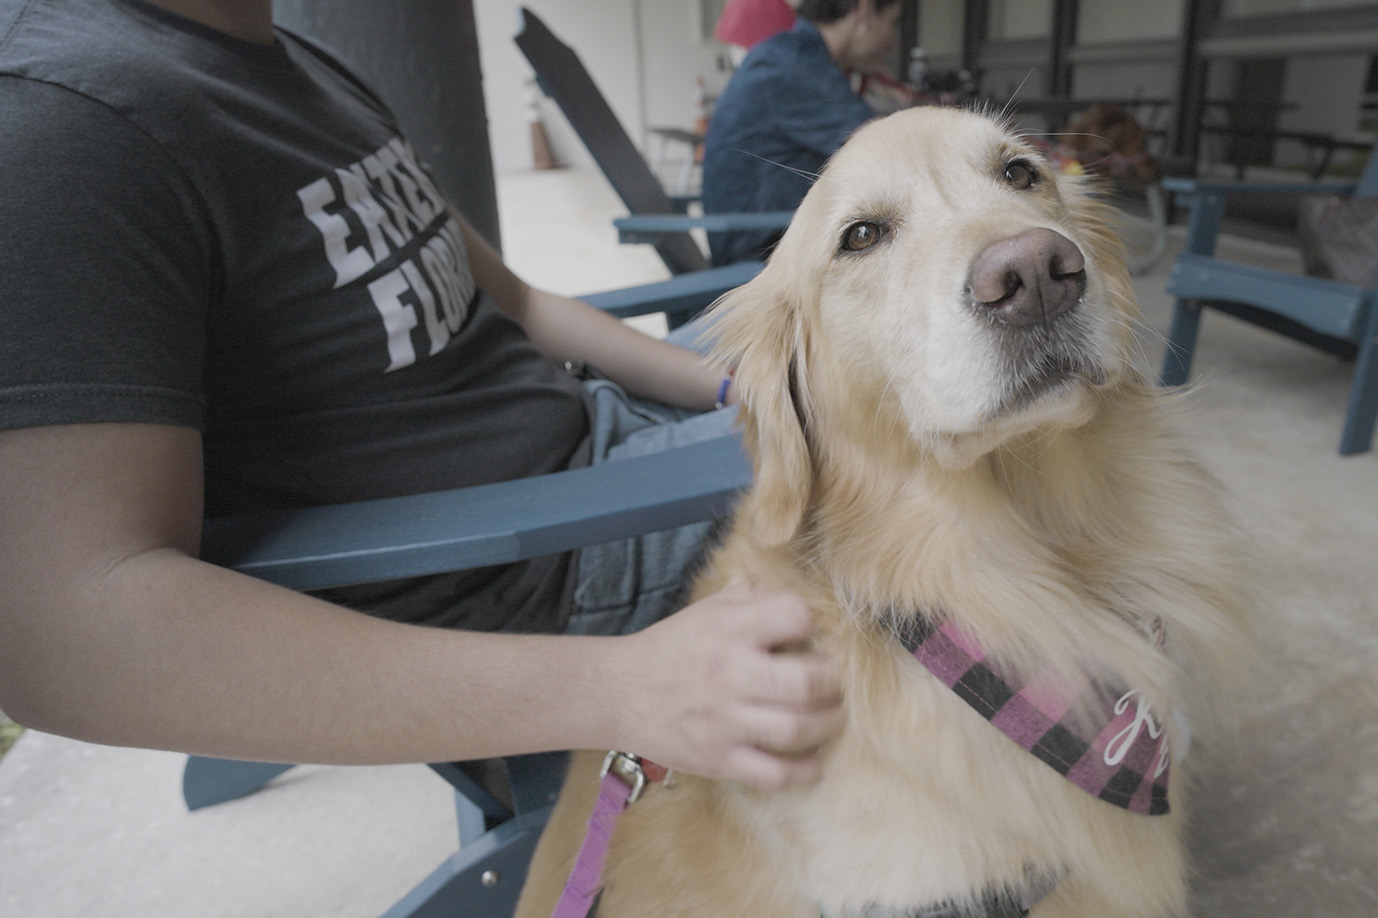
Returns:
(1021, 174)
(861, 236)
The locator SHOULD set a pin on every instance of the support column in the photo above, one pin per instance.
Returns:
(976, 18)
(421, 56)
(1062, 37)
(1189, 95)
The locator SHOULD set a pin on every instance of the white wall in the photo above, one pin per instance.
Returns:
(941, 23)
(1015, 19)
(1127, 20)
(643, 55)
(1323, 94)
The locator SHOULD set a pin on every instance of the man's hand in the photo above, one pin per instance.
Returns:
(716, 692)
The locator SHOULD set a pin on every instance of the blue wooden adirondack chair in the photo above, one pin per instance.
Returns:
(500, 806)
(656, 218)
(1336, 317)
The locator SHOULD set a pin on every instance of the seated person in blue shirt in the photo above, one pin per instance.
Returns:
(786, 110)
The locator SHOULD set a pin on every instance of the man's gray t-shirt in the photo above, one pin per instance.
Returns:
(202, 231)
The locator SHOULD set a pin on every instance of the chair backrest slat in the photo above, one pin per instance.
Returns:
(564, 78)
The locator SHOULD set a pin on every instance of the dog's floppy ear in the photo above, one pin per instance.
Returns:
(761, 333)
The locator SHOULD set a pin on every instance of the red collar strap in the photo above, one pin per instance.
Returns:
(624, 778)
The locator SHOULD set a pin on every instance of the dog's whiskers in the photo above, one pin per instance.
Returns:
(1025, 456)
(1003, 456)
(1064, 134)
(1009, 103)
(894, 422)
(802, 173)
(1137, 328)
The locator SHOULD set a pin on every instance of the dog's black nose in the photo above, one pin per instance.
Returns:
(1033, 277)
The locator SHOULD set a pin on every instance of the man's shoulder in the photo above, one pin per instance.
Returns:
(35, 35)
(138, 58)
(62, 66)
(191, 90)
(93, 48)
(804, 38)
(790, 55)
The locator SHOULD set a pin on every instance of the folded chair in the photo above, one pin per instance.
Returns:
(1336, 317)
(501, 805)
(655, 218)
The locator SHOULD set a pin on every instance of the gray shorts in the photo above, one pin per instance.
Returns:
(624, 586)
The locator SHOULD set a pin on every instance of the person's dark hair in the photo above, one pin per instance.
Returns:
(832, 10)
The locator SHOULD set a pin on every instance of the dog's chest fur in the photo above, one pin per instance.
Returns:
(923, 801)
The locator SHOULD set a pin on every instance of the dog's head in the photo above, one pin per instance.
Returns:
(940, 291)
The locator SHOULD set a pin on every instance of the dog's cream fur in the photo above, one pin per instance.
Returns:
(900, 469)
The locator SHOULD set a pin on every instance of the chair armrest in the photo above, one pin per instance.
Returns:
(415, 535)
(1206, 199)
(647, 227)
(684, 293)
(1188, 186)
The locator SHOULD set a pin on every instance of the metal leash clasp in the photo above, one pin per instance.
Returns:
(627, 768)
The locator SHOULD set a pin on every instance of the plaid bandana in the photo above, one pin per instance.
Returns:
(1125, 762)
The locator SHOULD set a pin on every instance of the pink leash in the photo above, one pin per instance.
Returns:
(623, 779)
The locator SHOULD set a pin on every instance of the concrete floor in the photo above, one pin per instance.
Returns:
(1286, 818)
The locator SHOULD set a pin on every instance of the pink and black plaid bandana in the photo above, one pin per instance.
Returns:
(1125, 762)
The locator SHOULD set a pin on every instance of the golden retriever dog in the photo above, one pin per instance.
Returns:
(949, 438)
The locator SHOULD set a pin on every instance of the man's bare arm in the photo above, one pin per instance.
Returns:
(567, 329)
(112, 631)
